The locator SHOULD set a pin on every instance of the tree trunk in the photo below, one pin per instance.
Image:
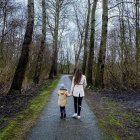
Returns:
(84, 65)
(99, 81)
(68, 63)
(137, 40)
(53, 71)
(22, 64)
(123, 46)
(3, 31)
(79, 51)
(42, 46)
(91, 47)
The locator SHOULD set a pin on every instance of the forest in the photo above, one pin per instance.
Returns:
(40, 39)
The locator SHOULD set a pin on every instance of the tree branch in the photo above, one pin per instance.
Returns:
(118, 16)
(120, 3)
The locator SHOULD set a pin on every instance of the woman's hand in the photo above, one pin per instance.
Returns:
(69, 94)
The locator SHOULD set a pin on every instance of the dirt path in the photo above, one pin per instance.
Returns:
(51, 127)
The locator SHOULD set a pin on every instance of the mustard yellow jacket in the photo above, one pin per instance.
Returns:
(62, 97)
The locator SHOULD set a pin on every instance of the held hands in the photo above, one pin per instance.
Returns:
(70, 94)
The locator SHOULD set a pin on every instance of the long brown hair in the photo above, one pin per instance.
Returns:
(77, 76)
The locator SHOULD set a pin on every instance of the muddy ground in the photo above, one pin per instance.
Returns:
(11, 105)
(118, 112)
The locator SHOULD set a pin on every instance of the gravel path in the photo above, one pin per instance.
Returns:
(50, 127)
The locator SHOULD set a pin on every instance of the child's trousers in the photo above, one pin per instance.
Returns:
(62, 111)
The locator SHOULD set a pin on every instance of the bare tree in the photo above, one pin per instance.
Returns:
(99, 81)
(86, 39)
(91, 47)
(58, 11)
(42, 46)
(22, 64)
(137, 7)
(58, 7)
(80, 24)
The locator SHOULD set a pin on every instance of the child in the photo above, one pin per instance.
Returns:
(62, 100)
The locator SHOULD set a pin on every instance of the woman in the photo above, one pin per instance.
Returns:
(77, 89)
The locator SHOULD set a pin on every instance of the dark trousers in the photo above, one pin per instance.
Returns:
(62, 110)
(77, 104)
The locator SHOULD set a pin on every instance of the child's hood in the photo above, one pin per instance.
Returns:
(63, 90)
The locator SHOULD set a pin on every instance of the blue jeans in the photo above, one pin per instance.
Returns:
(62, 111)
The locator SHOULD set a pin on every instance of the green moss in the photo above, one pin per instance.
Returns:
(18, 128)
(134, 119)
(112, 122)
(107, 125)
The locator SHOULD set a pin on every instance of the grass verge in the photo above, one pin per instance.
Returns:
(18, 128)
(116, 122)
(109, 122)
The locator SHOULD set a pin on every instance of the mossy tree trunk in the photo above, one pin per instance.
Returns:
(84, 65)
(137, 7)
(91, 47)
(99, 80)
(42, 46)
(3, 29)
(123, 44)
(53, 70)
(23, 61)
